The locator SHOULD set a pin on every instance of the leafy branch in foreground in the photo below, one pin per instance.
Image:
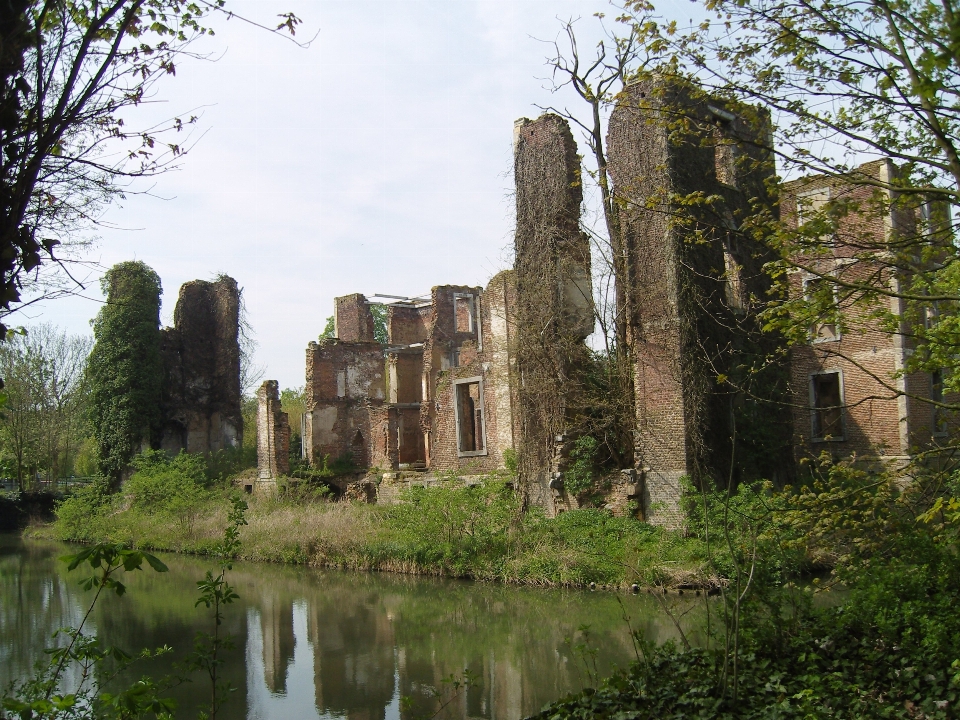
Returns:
(42, 697)
(215, 593)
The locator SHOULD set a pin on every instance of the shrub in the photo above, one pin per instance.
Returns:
(578, 477)
(177, 487)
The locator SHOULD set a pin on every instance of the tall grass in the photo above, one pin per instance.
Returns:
(474, 531)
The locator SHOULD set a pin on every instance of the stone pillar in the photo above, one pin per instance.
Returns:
(273, 436)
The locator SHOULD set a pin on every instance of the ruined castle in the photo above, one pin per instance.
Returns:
(472, 379)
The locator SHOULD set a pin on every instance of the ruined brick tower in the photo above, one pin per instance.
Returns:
(554, 300)
(201, 358)
(685, 170)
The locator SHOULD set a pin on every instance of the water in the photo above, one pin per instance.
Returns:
(327, 644)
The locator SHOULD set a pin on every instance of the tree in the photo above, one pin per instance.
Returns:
(69, 72)
(293, 403)
(43, 423)
(125, 368)
(329, 329)
(848, 83)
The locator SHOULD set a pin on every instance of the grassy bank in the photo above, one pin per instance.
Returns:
(476, 532)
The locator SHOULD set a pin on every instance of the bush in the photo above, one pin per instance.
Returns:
(177, 488)
(454, 526)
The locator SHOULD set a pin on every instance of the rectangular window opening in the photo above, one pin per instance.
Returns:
(470, 428)
(463, 308)
(810, 203)
(824, 328)
(936, 395)
(827, 406)
(725, 163)
(733, 288)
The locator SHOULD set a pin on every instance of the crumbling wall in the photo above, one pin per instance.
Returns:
(345, 393)
(457, 353)
(687, 170)
(353, 321)
(408, 324)
(554, 310)
(273, 434)
(201, 358)
(499, 301)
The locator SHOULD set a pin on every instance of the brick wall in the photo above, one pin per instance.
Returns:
(553, 307)
(352, 318)
(345, 391)
(273, 435)
(201, 359)
(879, 419)
(691, 287)
(471, 349)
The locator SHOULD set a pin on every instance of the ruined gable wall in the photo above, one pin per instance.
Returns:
(553, 312)
(344, 393)
(201, 356)
(694, 287)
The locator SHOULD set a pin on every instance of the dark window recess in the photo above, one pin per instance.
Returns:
(470, 417)
(827, 410)
(455, 357)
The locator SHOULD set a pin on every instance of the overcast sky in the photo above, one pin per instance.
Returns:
(377, 161)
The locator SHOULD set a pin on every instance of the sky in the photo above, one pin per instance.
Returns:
(378, 160)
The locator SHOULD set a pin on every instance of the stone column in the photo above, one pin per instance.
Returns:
(273, 436)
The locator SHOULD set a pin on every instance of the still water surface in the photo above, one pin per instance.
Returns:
(328, 644)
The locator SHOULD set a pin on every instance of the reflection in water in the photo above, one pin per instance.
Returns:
(320, 644)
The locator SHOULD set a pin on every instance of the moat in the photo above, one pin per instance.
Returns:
(330, 644)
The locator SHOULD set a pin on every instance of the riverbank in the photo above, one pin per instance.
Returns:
(477, 532)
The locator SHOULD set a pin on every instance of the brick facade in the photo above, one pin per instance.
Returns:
(883, 415)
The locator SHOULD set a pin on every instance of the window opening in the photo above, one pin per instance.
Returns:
(725, 162)
(827, 406)
(733, 288)
(470, 429)
(341, 383)
(824, 328)
(463, 307)
(936, 395)
(931, 316)
(811, 202)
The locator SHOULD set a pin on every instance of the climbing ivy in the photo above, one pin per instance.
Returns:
(125, 366)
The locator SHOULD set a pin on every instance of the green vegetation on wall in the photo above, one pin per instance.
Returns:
(125, 368)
